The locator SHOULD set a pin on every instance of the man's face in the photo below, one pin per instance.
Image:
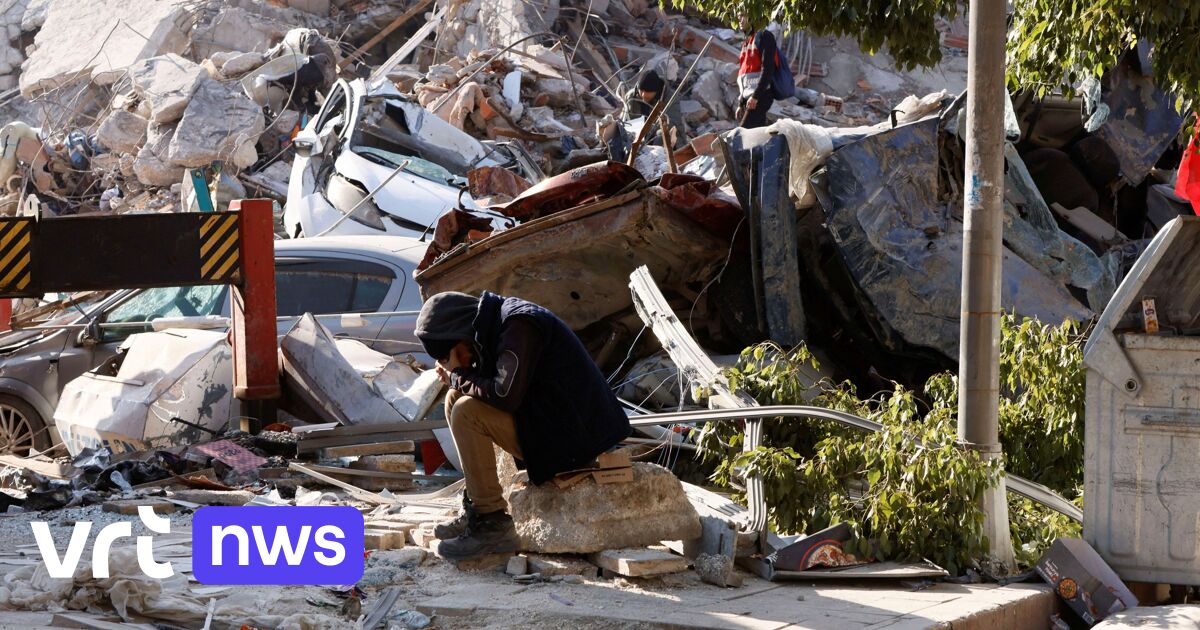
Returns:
(649, 96)
(462, 355)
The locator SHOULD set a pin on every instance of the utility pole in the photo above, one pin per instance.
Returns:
(979, 327)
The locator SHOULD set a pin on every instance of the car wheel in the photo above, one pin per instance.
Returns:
(21, 427)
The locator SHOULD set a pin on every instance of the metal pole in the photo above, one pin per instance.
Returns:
(979, 330)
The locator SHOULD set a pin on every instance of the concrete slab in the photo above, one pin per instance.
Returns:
(99, 40)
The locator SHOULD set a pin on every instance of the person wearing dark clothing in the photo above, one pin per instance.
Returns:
(756, 71)
(519, 379)
(650, 90)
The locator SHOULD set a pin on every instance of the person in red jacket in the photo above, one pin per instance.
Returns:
(756, 69)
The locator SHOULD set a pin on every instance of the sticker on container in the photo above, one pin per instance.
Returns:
(1150, 316)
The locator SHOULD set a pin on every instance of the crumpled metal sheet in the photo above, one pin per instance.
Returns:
(577, 263)
(452, 229)
(904, 248)
(1033, 234)
(1142, 121)
(573, 188)
(492, 185)
(701, 201)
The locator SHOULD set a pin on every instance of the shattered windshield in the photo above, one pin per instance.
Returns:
(417, 166)
(161, 302)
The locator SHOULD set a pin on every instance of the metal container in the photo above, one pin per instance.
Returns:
(1142, 435)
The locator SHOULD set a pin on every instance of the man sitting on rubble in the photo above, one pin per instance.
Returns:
(519, 379)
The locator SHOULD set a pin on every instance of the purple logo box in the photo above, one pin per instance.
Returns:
(277, 545)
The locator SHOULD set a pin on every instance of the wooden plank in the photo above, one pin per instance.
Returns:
(313, 445)
(409, 46)
(376, 474)
(130, 507)
(373, 448)
(387, 30)
(639, 562)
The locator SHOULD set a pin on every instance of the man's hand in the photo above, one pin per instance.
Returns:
(740, 112)
(752, 103)
(443, 373)
(453, 362)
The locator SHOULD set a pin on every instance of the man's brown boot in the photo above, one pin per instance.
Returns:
(487, 533)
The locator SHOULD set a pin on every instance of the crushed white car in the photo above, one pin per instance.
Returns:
(373, 161)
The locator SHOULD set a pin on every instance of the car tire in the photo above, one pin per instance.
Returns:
(21, 427)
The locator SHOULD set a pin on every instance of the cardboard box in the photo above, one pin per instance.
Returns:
(1084, 581)
(614, 459)
(613, 475)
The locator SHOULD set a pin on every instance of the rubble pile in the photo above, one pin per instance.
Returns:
(504, 146)
(125, 97)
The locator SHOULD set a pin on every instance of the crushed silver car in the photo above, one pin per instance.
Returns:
(363, 285)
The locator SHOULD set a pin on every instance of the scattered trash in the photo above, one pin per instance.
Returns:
(411, 619)
(1084, 581)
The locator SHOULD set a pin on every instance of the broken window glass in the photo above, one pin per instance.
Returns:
(151, 304)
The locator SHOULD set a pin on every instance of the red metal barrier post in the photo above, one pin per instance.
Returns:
(255, 346)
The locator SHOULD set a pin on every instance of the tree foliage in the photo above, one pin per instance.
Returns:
(1052, 43)
(911, 491)
(905, 28)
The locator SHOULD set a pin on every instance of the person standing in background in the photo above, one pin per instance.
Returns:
(756, 73)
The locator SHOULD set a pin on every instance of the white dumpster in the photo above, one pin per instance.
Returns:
(1142, 436)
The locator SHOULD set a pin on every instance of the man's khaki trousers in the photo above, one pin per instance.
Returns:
(476, 426)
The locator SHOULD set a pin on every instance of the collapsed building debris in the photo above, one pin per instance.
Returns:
(511, 156)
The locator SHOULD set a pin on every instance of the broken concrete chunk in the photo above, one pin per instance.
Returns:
(218, 124)
(235, 29)
(151, 165)
(517, 565)
(122, 131)
(588, 517)
(219, 59)
(166, 83)
(717, 570)
(101, 39)
(709, 91)
(10, 58)
(318, 7)
(558, 91)
(545, 122)
(693, 112)
(243, 63)
(34, 15)
(639, 562)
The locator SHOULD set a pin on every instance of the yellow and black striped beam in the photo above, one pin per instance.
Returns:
(96, 253)
(16, 254)
(220, 251)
